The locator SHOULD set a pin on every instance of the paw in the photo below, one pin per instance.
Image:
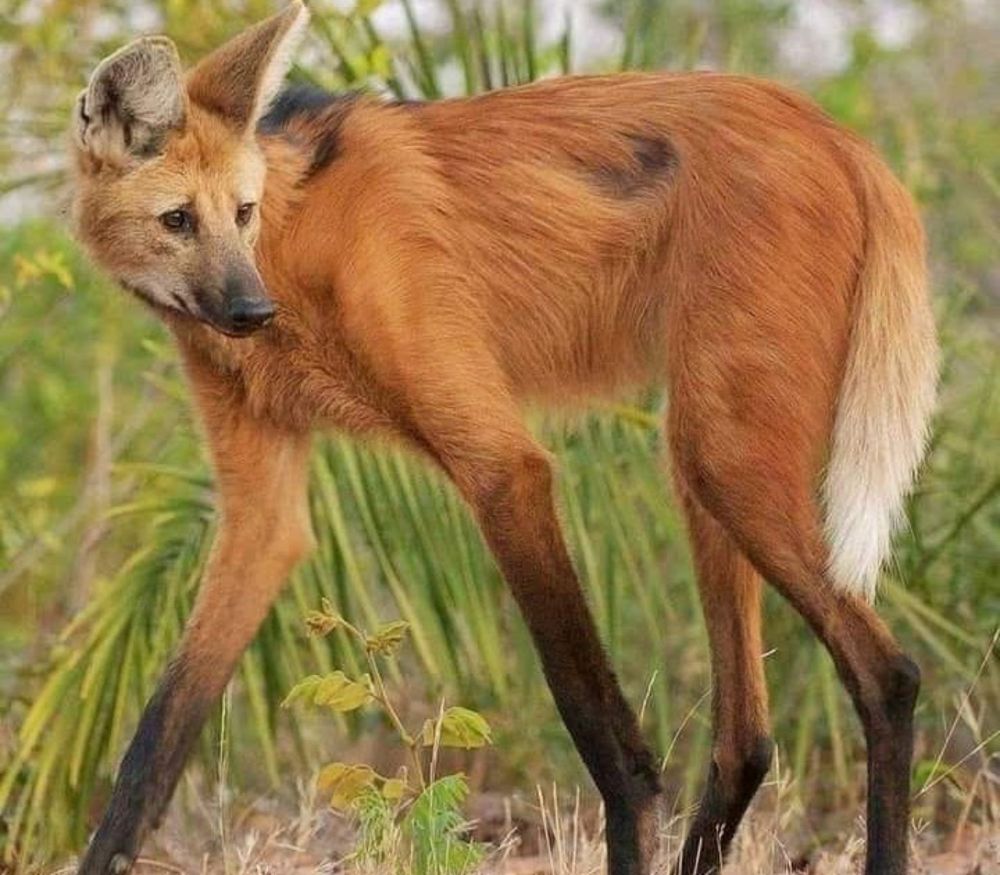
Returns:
(101, 859)
(120, 864)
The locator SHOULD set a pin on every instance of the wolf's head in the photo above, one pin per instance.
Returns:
(169, 175)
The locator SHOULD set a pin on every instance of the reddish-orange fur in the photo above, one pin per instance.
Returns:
(434, 239)
(455, 262)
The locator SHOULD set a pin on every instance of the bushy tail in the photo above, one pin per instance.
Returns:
(889, 385)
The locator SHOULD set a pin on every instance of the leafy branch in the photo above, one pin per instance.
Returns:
(425, 819)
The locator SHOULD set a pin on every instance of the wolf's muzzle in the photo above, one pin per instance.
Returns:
(248, 314)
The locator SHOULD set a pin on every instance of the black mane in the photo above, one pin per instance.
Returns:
(299, 100)
(323, 112)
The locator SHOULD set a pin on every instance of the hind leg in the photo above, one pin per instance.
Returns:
(882, 681)
(741, 749)
(749, 432)
(763, 493)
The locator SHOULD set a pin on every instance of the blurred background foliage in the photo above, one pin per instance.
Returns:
(105, 496)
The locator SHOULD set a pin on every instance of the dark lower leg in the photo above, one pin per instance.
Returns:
(603, 727)
(777, 526)
(741, 750)
(883, 684)
(149, 772)
(519, 522)
(232, 603)
(727, 796)
(889, 734)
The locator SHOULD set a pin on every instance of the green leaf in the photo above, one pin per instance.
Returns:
(345, 782)
(304, 690)
(388, 637)
(460, 727)
(339, 692)
(336, 691)
(434, 824)
(377, 842)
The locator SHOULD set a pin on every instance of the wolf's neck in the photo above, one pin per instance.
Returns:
(287, 167)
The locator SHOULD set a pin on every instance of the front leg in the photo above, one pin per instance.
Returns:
(512, 498)
(263, 531)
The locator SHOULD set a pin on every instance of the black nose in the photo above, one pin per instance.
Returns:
(246, 314)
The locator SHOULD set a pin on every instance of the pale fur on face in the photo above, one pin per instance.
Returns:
(207, 170)
(146, 143)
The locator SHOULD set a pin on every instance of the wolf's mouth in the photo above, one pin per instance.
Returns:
(230, 331)
(140, 293)
(235, 316)
(179, 305)
(206, 315)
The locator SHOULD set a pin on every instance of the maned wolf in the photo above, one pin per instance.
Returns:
(425, 270)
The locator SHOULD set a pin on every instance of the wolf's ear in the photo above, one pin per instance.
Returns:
(134, 99)
(239, 80)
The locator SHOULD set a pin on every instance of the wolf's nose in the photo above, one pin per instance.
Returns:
(247, 314)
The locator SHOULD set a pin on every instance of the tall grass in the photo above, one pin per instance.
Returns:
(394, 540)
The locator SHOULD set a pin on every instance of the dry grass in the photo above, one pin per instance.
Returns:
(548, 835)
(791, 827)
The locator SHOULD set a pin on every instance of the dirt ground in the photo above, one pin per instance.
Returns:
(530, 838)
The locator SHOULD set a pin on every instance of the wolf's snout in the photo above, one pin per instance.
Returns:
(246, 306)
(248, 314)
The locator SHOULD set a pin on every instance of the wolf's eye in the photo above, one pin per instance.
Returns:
(244, 213)
(177, 220)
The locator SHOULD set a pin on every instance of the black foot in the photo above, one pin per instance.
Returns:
(106, 856)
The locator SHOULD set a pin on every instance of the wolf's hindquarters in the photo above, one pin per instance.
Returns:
(888, 389)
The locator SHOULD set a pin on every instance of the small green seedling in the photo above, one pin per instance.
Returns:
(410, 822)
